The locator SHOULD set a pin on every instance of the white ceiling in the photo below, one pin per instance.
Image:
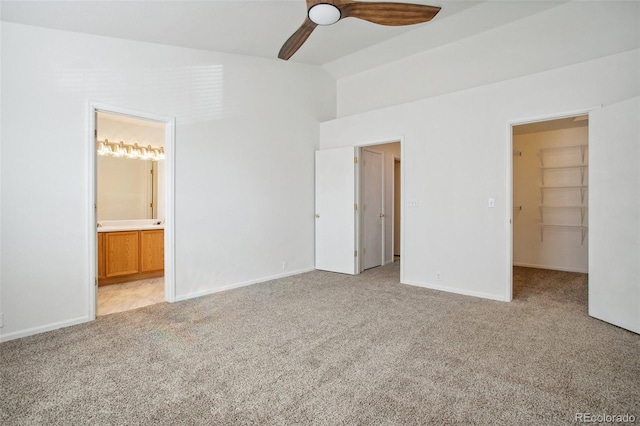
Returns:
(260, 27)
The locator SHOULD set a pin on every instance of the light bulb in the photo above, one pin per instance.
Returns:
(324, 14)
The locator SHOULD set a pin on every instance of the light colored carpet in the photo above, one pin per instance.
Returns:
(323, 348)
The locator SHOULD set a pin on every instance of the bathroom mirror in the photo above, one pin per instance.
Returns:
(127, 189)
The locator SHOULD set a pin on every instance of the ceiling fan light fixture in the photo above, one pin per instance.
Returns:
(324, 14)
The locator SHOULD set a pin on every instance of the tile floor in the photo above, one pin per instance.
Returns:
(126, 296)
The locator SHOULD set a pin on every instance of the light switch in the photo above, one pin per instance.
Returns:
(492, 203)
(412, 203)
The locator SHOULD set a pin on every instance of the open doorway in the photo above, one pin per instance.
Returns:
(338, 208)
(379, 213)
(131, 166)
(550, 201)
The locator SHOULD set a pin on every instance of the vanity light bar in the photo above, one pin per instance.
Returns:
(114, 149)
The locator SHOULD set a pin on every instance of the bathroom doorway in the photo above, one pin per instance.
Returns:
(131, 221)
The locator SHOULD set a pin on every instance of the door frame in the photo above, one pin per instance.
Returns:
(361, 260)
(396, 159)
(359, 146)
(169, 232)
(508, 294)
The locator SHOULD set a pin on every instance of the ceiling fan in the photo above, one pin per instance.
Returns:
(328, 12)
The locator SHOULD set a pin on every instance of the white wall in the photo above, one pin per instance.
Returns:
(569, 33)
(456, 154)
(560, 249)
(1, 313)
(245, 138)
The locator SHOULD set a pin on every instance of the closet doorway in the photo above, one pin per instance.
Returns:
(380, 202)
(340, 237)
(132, 215)
(550, 198)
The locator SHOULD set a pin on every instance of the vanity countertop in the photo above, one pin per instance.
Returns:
(129, 225)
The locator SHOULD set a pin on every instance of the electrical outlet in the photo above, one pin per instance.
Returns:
(284, 264)
(438, 276)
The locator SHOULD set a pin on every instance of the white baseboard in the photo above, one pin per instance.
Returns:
(242, 284)
(456, 290)
(42, 329)
(80, 320)
(553, 268)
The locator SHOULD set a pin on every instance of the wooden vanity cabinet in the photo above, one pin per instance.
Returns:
(121, 253)
(102, 273)
(152, 250)
(130, 255)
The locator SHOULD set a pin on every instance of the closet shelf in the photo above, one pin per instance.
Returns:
(562, 148)
(563, 187)
(545, 206)
(581, 228)
(577, 166)
(544, 170)
(582, 188)
(582, 209)
(564, 161)
(583, 148)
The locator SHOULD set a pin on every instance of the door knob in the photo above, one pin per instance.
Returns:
(317, 215)
(381, 214)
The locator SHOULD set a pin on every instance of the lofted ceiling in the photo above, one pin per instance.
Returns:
(260, 27)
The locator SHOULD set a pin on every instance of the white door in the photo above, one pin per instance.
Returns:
(335, 211)
(372, 208)
(614, 214)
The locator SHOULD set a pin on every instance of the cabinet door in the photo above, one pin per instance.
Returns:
(121, 249)
(152, 250)
(101, 256)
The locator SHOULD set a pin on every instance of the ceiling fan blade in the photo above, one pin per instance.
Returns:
(387, 13)
(294, 42)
